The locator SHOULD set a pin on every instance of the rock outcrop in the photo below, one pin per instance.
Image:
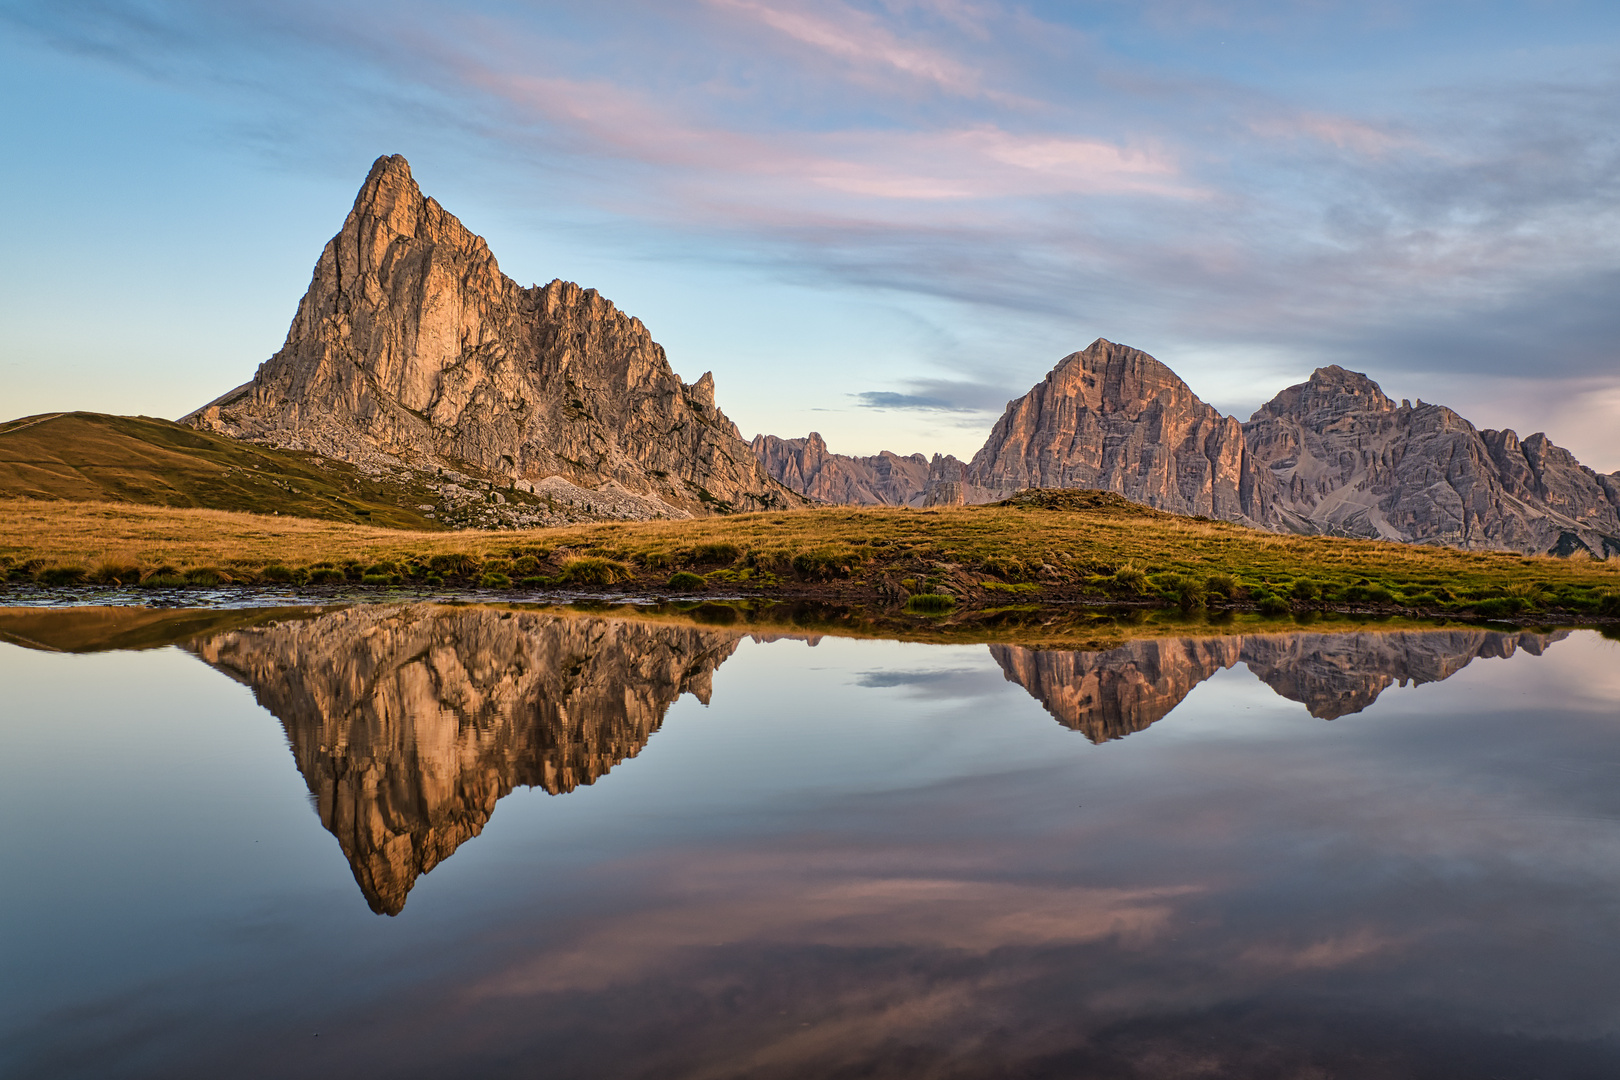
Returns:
(412, 348)
(1113, 418)
(806, 466)
(1109, 695)
(409, 723)
(1347, 460)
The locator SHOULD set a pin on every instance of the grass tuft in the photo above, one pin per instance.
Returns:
(594, 570)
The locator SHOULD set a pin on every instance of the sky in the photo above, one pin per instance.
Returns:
(876, 219)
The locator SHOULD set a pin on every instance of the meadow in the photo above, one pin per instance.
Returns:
(1040, 548)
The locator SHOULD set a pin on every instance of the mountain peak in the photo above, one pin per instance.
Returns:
(1114, 418)
(1330, 391)
(1353, 381)
(392, 165)
(389, 182)
(412, 348)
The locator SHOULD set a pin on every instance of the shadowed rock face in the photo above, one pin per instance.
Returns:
(411, 346)
(1109, 695)
(805, 466)
(409, 723)
(1113, 418)
(1347, 460)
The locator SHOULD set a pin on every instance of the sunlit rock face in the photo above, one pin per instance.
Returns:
(1113, 418)
(1347, 460)
(412, 347)
(409, 723)
(1109, 695)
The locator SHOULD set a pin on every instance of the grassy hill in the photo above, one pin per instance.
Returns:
(85, 457)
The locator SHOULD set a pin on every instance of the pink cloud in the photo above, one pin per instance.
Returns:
(980, 162)
(765, 900)
(861, 40)
(1342, 132)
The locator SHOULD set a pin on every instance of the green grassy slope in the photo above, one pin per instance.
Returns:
(84, 457)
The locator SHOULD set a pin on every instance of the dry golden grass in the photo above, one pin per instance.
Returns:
(86, 533)
(980, 553)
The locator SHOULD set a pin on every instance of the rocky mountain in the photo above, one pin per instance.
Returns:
(1109, 695)
(1113, 418)
(1347, 460)
(805, 466)
(409, 723)
(411, 350)
(1333, 455)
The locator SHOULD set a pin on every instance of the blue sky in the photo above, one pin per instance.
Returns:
(880, 220)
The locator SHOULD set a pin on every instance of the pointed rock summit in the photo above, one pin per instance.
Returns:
(412, 348)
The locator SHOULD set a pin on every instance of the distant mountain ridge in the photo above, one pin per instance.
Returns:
(806, 466)
(412, 350)
(1333, 455)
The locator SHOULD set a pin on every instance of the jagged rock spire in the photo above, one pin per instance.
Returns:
(412, 347)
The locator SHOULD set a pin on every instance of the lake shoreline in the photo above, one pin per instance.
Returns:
(1081, 626)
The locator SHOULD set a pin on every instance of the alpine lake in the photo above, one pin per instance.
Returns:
(420, 838)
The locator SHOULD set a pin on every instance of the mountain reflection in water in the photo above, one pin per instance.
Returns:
(870, 858)
(409, 723)
(1108, 695)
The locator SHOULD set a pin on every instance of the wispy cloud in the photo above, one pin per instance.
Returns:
(1345, 133)
(941, 395)
(861, 40)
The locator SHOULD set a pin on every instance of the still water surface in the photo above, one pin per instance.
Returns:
(426, 841)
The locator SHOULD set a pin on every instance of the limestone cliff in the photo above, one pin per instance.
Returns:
(409, 723)
(1347, 460)
(1109, 695)
(412, 348)
(1115, 419)
(806, 466)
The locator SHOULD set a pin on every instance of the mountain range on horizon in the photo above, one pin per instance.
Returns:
(1333, 456)
(437, 381)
